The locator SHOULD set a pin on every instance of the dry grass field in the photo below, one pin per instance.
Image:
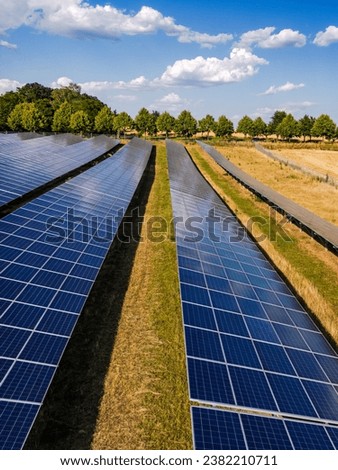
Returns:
(321, 161)
(318, 197)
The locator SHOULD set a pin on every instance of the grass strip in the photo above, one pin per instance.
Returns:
(145, 404)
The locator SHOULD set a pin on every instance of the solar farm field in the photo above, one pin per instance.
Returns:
(318, 197)
(180, 343)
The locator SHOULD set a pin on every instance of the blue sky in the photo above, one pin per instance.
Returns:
(219, 57)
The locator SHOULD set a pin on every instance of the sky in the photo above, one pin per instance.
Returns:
(218, 57)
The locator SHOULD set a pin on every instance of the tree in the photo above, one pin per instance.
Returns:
(44, 107)
(207, 124)
(165, 123)
(276, 119)
(324, 127)
(288, 128)
(186, 124)
(224, 127)
(245, 126)
(122, 122)
(8, 101)
(104, 121)
(80, 123)
(61, 119)
(32, 119)
(144, 121)
(25, 116)
(32, 92)
(259, 127)
(65, 93)
(305, 126)
(14, 121)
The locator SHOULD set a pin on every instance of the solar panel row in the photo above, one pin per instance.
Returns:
(249, 342)
(224, 430)
(51, 252)
(29, 164)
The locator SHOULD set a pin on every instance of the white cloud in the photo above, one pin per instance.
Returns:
(291, 107)
(297, 106)
(265, 38)
(77, 18)
(200, 72)
(13, 14)
(212, 71)
(125, 98)
(327, 37)
(171, 103)
(8, 45)
(62, 82)
(288, 86)
(205, 40)
(9, 85)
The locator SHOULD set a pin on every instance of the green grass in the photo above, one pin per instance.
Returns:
(292, 250)
(167, 426)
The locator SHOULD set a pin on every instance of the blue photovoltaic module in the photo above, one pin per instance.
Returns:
(26, 165)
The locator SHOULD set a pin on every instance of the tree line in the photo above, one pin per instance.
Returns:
(36, 108)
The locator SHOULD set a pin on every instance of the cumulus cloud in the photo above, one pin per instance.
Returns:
(9, 85)
(124, 98)
(327, 37)
(212, 71)
(62, 82)
(291, 107)
(288, 86)
(265, 38)
(171, 103)
(77, 18)
(199, 72)
(8, 45)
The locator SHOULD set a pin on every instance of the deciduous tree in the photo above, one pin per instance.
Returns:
(305, 126)
(324, 127)
(288, 128)
(275, 120)
(80, 123)
(186, 124)
(224, 127)
(144, 122)
(245, 126)
(61, 119)
(207, 124)
(104, 121)
(165, 123)
(122, 122)
(259, 127)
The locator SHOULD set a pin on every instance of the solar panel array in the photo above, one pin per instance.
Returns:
(250, 344)
(26, 165)
(17, 136)
(51, 252)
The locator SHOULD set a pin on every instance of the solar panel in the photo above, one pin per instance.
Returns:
(26, 165)
(50, 258)
(249, 342)
(224, 430)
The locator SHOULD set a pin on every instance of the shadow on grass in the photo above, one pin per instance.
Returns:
(67, 419)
